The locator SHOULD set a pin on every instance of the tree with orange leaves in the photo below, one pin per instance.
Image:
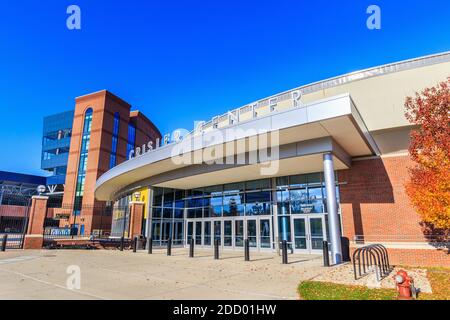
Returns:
(429, 184)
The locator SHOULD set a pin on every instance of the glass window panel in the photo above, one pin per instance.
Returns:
(179, 195)
(213, 190)
(299, 198)
(194, 193)
(239, 233)
(264, 226)
(234, 210)
(199, 213)
(198, 233)
(207, 233)
(256, 209)
(179, 204)
(215, 211)
(298, 181)
(194, 202)
(282, 182)
(169, 197)
(315, 199)
(227, 236)
(251, 233)
(167, 213)
(190, 213)
(207, 212)
(179, 213)
(254, 197)
(299, 227)
(257, 184)
(315, 178)
(157, 213)
(158, 197)
(233, 187)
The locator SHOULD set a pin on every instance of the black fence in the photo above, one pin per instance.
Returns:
(14, 213)
(74, 217)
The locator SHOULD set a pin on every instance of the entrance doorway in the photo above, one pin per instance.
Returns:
(308, 232)
(231, 232)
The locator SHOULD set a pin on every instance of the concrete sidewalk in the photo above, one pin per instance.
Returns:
(127, 275)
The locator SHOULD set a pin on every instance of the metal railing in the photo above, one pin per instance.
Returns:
(371, 258)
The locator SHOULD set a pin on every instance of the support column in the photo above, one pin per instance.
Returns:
(275, 215)
(34, 239)
(136, 216)
(149, 229)
(333, 219)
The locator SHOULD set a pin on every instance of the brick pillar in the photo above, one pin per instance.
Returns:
(136, 217)
(34, 238)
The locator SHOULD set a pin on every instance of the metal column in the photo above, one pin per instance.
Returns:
(333, 219)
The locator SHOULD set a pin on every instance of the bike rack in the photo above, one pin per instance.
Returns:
(371, 258)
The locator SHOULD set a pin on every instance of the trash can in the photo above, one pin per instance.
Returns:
(141, 241)
(345, 246)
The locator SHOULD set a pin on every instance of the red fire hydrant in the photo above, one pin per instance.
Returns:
(404, 284)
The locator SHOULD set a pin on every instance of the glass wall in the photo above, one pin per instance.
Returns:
(168, 216)
(82, 167)
(131, 141)
(121, 218)
(115, 139)
(232, 212)
(230, 200)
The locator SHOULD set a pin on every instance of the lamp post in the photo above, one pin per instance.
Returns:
(41, 189)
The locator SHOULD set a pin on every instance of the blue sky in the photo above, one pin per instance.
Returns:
(189, 60)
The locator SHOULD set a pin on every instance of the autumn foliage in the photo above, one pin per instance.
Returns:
(429, 184)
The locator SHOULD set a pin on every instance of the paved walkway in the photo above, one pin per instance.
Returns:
(127, 275)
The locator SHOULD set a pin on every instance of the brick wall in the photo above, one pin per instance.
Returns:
(418, 257)
(375, 205)
(374, 202)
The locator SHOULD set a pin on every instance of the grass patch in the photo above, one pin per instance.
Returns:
(313, 290)
(440, 284)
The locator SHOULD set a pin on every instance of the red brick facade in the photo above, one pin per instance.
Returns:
(376, 208)
(104, 105)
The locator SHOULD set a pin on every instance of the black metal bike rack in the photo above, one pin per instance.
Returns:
(373, 257)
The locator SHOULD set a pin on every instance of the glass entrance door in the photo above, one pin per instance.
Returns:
(231, 232)
(239, 233)
(198, 233)
(228, 233)
(308, 233)
(316, 235)
(300, 235)
(265, 233)
(252, 233)
(207, 233)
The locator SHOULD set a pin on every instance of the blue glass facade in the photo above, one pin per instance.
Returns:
(82, 167)
(131, 138)
(56, 137)
(115, 139)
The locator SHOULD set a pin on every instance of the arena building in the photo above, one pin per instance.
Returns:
(341, 166)
(327, 161)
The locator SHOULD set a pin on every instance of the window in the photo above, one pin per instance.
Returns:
(131, 141)
(115, 139)
(82, 166)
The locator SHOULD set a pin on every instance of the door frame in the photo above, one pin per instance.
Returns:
(307, 218)
(222, 221)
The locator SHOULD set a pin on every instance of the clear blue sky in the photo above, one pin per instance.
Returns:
(189, 60)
